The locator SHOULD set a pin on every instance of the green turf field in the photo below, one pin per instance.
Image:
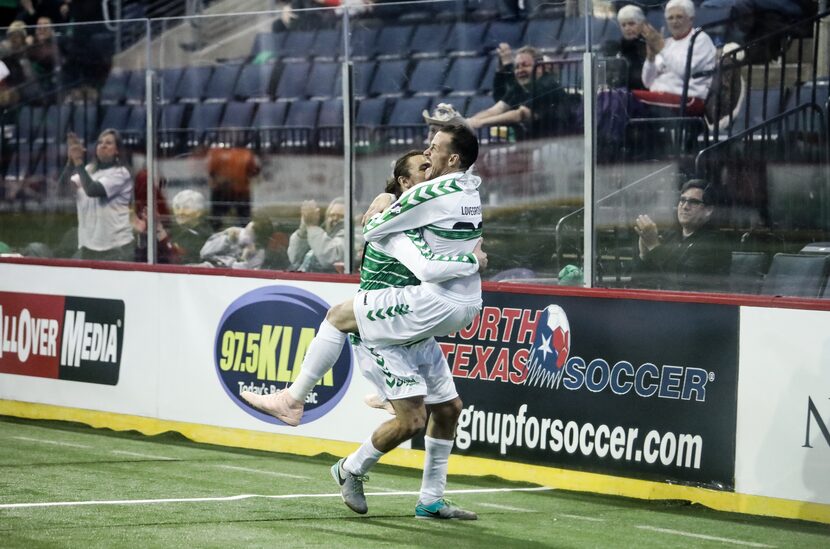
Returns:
(67, 485)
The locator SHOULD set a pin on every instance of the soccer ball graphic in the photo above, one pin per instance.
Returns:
(552, 341)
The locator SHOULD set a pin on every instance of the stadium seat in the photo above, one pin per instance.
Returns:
(390, 78)
(20, 165)
(362, 76)
(322, 78)
(300, 123)
(464, 76)
(330, 123)
(292, 81)
(543, 34)
(572, 34)
(747, 271)
(269, 117)
(408, 111)
(135, 130)
(168, 80)
(221, 85)
(297, 45)
(370, 112)
(115, 116)
(362, 43)
(796, 275)
(115, 87)
(393, 42)
(255, 82)
(136, 88)
(511, 32)
(234, 128)
(85, 122)
(170, 127)
(427, 77)
(203, 117)
(267, 42)
(328, 44)
(192, 84)
(478, 103)
(429, 40)
(760, 105)
(467, 38)
(55, 124)
(486, 84)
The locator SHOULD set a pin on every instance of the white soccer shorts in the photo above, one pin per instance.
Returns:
(404, 372)
(394, 316)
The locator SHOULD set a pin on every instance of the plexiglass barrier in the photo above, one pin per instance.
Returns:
(272, 132)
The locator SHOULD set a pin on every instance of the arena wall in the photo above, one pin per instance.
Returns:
(716, 400)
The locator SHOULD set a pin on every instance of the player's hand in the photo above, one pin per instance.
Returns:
(310, 213)
(481, 255)
(380, 203)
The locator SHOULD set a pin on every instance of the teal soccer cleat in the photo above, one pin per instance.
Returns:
(443, 509)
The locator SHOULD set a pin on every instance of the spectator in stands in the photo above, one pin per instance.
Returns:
(87, 48)
(691, 257)
(32, 10)
(313, 248)
(301, 15)
(103, 192)
(239, 247)
(17, 69)
(191, 228)
(230, 172)
(542, 108)
(632, 46)
(44, 55)
(140, 217)
(664, 71)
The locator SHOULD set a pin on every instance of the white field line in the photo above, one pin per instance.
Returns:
(148, 456)
(261, 472)
(505, 507)
(702, 536)
(245, 496)
(581, 517)
(56, 442)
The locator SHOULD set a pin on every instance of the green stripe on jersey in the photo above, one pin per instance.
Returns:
(380, 270)
(419, 195)
(454, 234)
(417, 239)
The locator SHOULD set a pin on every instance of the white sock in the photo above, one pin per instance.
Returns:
(321, 355)
(362, 459)
(434, 481)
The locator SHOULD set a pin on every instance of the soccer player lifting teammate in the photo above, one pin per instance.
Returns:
(442, 218)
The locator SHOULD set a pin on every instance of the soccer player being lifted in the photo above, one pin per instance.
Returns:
(441, 220)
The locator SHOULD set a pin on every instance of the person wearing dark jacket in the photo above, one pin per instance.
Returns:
(693, 257)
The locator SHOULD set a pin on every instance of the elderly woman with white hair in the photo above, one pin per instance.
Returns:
(632, 46)
(191, 229)
(664, 70)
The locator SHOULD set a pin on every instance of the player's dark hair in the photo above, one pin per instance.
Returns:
(464, 143)
(401, 170)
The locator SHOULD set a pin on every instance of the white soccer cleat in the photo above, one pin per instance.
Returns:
(281, 405)
(373, 400)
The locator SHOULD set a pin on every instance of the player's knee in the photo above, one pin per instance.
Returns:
(341, 316)
(411, 424)
(447, 414)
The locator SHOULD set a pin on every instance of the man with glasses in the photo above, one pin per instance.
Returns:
(691, 257)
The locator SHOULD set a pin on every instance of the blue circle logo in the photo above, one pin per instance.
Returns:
(260, 344)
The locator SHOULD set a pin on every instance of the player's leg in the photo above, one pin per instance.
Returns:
(390, 372)
(322, 353)
(445, 407)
